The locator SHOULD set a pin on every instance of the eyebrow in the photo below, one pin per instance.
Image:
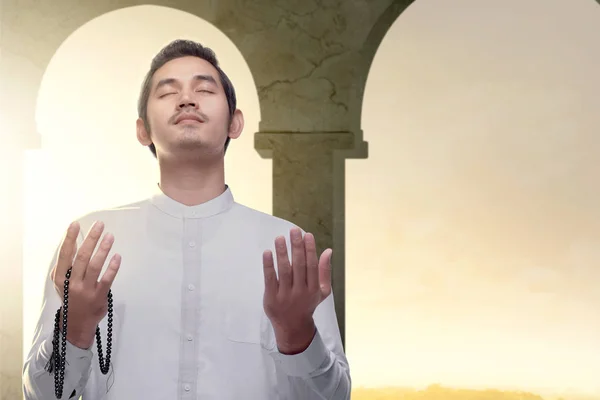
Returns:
(170, 81)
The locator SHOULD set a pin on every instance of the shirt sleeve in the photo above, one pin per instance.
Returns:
(38, 383)
(321, 371)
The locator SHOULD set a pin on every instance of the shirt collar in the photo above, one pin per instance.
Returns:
(219, 204)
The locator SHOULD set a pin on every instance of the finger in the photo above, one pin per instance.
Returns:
(271, 283)
(67, 251)
(325, 273)
(312, 262)
(109, 275)
(97, 262)
(298, 257)
(86, 250)
(283, 265)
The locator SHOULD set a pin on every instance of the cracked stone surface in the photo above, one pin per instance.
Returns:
(304, 57)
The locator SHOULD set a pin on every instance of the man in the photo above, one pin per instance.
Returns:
(200, 311)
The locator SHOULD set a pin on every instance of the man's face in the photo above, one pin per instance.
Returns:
(187, 110)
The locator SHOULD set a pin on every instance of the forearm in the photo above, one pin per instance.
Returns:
(38, 381)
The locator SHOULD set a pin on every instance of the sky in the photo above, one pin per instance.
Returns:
(473, 235)
(482, 228)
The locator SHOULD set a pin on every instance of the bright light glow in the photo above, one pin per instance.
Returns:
(476, 264)
(86, 115)
(482, 225)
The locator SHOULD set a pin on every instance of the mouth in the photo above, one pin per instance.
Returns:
(187, 119)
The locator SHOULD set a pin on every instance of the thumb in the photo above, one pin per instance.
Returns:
(325, 272)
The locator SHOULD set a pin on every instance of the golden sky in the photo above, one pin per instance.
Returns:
(482, 229)
(473, 258)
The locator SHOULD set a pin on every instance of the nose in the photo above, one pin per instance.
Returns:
(187, 101)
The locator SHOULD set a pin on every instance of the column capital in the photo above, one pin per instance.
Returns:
(344, 143)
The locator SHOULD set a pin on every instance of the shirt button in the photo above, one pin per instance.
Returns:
(190, 338)
(187, 388)
(191, 287)
(192, 244)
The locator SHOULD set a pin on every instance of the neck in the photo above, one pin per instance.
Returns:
(192, 184)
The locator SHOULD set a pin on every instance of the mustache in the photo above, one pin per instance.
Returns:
(199, 114)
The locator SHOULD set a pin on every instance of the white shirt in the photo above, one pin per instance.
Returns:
(189, 321)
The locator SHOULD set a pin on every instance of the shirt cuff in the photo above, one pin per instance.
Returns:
(305, 363)
(81, 358)
(77, 359)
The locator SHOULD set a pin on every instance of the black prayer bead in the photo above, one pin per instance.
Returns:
(58, 358)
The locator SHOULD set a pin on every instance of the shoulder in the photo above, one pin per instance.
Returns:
(111, 216)
(268, 222)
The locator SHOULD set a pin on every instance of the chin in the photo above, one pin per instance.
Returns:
(198, 147)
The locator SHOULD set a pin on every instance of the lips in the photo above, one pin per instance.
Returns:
(188, 117)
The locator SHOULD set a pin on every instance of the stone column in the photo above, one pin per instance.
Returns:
(309, 190)
(310, 62)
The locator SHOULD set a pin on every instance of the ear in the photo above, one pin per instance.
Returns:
(143, 135)
(237, 125)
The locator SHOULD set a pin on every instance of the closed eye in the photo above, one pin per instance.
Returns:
(170, 93)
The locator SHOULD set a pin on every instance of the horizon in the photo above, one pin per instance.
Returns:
(542, 391)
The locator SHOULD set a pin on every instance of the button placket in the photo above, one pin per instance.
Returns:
(191, 260)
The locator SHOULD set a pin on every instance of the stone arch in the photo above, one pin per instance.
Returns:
(228, 53)
(50, 27)
(108, 77)
(365, 59)
(366, 56)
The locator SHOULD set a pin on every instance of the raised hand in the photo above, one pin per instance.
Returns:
(290, 300)
(87, 296)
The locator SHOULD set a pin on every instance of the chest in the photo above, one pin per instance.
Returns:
(188, 265)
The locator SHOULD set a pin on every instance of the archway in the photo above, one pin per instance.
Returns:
(86, 114)
(471, 256)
